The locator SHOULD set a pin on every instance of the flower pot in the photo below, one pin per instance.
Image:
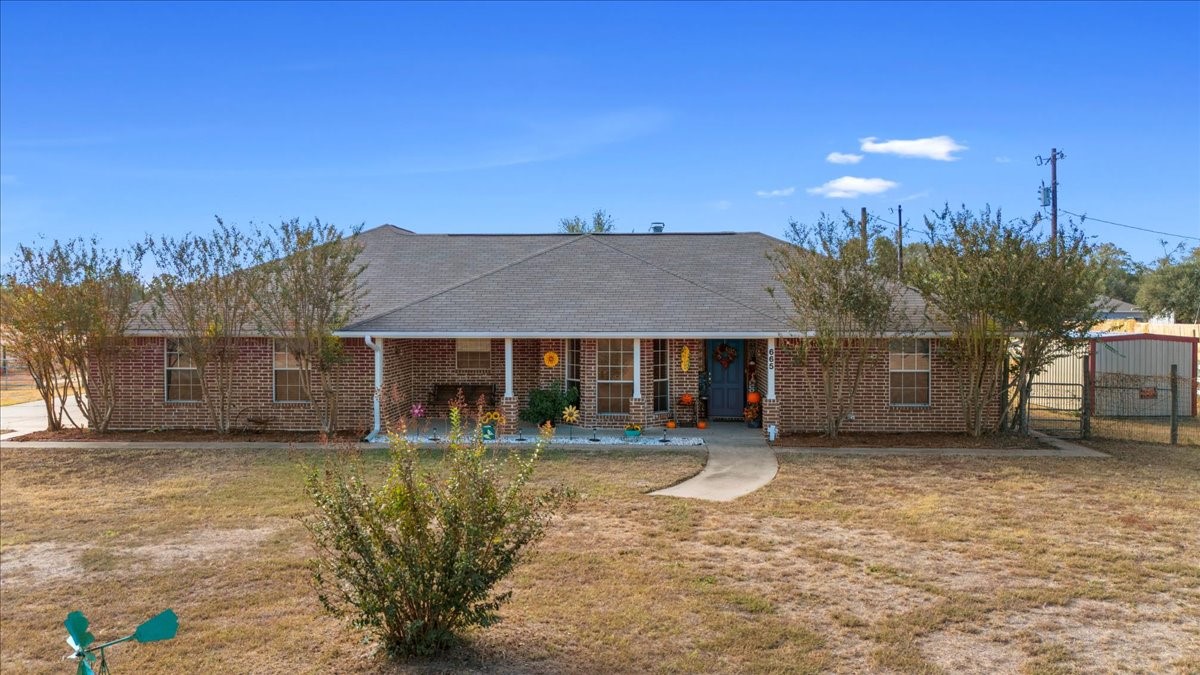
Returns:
(755, 423)
(632, 433)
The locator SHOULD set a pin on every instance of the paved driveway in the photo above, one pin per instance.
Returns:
(24, 418)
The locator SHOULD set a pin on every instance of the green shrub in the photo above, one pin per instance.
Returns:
(414, 560)
(546, 405)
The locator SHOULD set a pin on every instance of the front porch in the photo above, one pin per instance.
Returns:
(619, 380)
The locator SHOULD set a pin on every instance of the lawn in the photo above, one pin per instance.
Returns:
(909, 564)
(12, 394)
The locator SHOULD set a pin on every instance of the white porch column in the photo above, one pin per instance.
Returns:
(637, 368)
(508, 367)
(377, 347)
(770, 369)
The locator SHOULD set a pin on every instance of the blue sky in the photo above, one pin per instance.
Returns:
(122, 119)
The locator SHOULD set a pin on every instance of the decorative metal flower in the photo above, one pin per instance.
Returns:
(417, 411)
(493, 417)
(685, 358)
(570, 415)
(550, 359)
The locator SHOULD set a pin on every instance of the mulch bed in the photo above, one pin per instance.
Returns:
(911, 440)
(183, 435)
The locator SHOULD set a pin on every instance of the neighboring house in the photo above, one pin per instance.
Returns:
(611, 315)
(1112, 309)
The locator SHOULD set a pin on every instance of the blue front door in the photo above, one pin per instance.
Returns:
(725, 393)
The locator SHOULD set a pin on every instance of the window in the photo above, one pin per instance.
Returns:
(474, 353)
(614, 376)
(662, 393)
(908, 362)
(574, 362)
(289, 385)
(183, 380)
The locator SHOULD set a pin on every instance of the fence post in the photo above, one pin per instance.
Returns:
(1085, 419)
(1174, 404)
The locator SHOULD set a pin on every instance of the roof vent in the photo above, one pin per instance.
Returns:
(657, 228)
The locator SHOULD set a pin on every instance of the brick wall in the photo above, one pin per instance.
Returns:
(798, 388)
(141, 391)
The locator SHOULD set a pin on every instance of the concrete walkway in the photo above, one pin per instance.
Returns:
(739, 462)
(24, 418)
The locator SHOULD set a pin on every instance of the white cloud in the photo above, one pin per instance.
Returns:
(916, 195)
(940, 148)
(781, 192)
(843, 158)
(852, 186)
(1002, 160)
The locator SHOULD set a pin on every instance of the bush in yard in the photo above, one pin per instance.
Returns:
(546, 405)
(414, 560)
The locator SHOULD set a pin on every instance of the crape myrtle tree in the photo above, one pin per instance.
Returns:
(1173, 287)
(1009, 298)
(205, 295)
(1051, 303)
(67, 309)
(312, 278)
(844, 295)
(601, 222)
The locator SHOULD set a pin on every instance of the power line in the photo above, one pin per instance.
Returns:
(1132, 227)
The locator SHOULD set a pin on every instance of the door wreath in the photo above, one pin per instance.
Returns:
(725, 354)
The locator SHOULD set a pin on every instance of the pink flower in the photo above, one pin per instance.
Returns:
(418, 411)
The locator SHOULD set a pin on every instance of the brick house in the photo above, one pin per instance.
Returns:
(612, 315)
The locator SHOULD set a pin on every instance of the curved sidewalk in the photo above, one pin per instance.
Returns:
(739, 462)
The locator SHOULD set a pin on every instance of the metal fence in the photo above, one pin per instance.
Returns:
(1123, 406)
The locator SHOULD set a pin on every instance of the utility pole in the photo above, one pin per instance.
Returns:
(862, 225)
(1055, 155)
(900, 241)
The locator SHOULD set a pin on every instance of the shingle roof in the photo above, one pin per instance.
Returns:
(667, 284)
(584, 285)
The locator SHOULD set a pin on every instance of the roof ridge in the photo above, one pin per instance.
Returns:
(692, 282)
(469, 280)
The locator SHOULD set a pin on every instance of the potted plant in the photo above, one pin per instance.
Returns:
(751, 414)
(633, 430)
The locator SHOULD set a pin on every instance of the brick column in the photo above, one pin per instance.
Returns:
(639, 411)
(770, 415)
(510, 407)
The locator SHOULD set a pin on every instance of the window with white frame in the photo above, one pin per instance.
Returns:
(473, 353)
(908, 363)
(614, 376)
(574, 363)
(183, 379)
(662, 393)
(289, 382)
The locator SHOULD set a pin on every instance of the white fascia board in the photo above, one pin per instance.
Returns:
(646, 335)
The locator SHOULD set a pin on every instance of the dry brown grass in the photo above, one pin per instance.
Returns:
(12, 394)
(909, 564)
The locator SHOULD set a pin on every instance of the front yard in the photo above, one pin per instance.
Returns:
(908, 564)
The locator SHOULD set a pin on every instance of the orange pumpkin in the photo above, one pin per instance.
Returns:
(702, 424)
(753, 397)
(670, 424)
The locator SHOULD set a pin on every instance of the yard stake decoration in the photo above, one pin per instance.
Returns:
(160, 627)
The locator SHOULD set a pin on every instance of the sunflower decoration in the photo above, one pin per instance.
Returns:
(550, 359)
(685, 359)
(493, 417)
(570, 415)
